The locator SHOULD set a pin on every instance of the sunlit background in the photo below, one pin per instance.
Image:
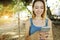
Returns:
(14, 13)
(54, 6)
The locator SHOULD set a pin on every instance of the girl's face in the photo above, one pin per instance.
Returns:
(38, 8)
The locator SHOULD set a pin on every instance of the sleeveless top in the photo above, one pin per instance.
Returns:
(33, 28)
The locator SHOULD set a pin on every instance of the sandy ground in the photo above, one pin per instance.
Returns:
(12, 33)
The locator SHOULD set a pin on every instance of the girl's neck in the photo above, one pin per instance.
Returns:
(38, 18)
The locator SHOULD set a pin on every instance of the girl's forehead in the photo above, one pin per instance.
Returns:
(38, 3)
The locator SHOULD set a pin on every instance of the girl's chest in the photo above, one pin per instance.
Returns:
(39, 23)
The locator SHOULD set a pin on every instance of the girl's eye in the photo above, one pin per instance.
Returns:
(36, 7)
(42, 8)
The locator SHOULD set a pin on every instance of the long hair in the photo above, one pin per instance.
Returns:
(43, 14)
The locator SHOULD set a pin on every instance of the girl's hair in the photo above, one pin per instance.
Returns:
(43, 14)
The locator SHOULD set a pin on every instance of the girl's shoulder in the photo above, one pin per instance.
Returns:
(28, 21)
(49, 20)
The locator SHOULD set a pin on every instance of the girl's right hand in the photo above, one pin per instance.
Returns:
(28, 38)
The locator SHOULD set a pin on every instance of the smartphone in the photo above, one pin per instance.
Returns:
(45, 29)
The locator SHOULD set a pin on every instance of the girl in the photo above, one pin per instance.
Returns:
(35, 26)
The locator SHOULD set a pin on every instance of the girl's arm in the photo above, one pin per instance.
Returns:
(27, 26)
(51, 31)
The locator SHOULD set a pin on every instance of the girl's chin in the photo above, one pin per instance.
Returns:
(38, 14)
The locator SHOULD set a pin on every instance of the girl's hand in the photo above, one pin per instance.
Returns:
(28, 38)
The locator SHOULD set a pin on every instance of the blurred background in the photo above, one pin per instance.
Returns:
(14, 13)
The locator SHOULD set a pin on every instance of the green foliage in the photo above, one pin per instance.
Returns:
(26, 2)
(1, 7)
(7, 2)
(14, 5)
